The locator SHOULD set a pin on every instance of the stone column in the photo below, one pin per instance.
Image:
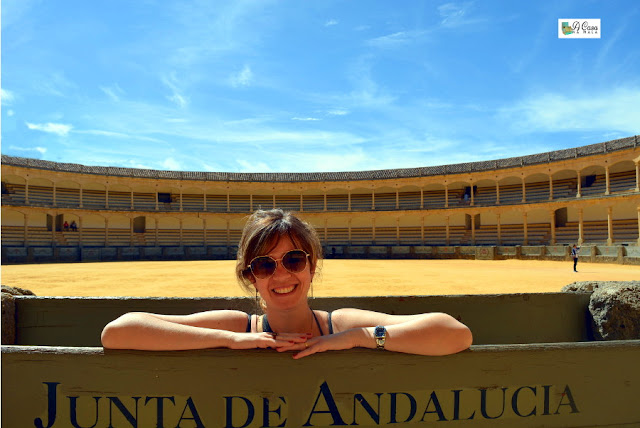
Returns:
(349, 200)
(524, 191)
(301, 203)
(497, 193)
(637, 177)
(131, 230)
(204, 200)
(273, 200)
(156, 197)
(422, 199)
(448, 240)
(472, 193)
(607, 181)
(373, 200)
(26, 230)
(326, 238)
(325, 201)
(579, 187)
(81, 203)
(106, 231)
(580, 226)
(397, 199)
(80, 227)
(26, 189)
(106, 197)
(228, 233)
(229, 201)
(251, 202)
(446, 196)
(550, 188)
(610, 226)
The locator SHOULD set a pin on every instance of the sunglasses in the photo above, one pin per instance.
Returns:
(264, 267)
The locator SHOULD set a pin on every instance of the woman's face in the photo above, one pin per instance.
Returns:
(284, 289)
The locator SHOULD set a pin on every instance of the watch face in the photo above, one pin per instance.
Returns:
(379, 331)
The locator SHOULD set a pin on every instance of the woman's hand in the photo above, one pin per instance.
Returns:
(334, 342)
(266, 340)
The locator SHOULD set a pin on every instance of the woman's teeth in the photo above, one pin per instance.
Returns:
(284, 290)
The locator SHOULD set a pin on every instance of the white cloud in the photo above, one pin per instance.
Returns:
(6, 96)
(616, 110)
(337, 112)
(53, 128)
(41, 150)
(396, 39)
(176, 97)
(454, 14)
(305, 119)
(330, 23)
(112, 92)
(243, 78)
(10, 113)
(171, 164)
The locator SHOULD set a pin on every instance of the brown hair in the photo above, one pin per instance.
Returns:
(262, 232)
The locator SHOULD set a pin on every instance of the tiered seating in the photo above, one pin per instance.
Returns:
(168, 237)
(313, 202)
(337, 236)
(192, 237)
(456, 198)
(191, 202)
(433, 199)
(458, 235)
(487, 234)
(567, 234)
(361, 235)
(538, 233)
(218, 203)
(537, 191)
(119, 200)
(410, 200)
(511, 194)
(595, 232)
(337, 202)
(512, 234)
(67, 238)
(144, 201)
(94, 199)
(12, 236)
(216, 237)
(67, 197)
(622, 181)
(386, 236)
(237, 203)
(385, 202)
(262, 202)
(485, 196)
(93, 237)
(598, 187)
(625, 231)
(564, 188)
(13, 193)
(288, 202)
(410, 235)
(40, 195)
(361, 202)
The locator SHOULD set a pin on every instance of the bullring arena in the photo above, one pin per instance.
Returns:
(486, 242)
(529, 208)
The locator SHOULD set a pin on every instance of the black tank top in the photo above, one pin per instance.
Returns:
(267, 328)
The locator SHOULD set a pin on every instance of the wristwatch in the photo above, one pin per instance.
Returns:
(380, 333)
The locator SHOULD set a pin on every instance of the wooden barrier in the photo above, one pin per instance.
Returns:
(531, 365)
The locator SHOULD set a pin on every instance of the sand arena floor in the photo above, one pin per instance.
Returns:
(337, 277)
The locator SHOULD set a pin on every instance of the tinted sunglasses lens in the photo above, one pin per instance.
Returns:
(295, 261)
(263, 267)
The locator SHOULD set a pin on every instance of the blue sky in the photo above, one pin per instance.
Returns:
(305, 86)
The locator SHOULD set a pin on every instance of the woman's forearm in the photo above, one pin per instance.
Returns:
(433, 334)
(146, 332)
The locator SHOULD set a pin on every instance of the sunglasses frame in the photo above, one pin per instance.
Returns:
(306, 262)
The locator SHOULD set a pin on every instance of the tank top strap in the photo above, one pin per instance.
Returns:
(330, 323)
(248, 323)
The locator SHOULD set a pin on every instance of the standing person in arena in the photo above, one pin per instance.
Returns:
(574, 255)
(277, 259)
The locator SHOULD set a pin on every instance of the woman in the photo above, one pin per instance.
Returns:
(278, 257)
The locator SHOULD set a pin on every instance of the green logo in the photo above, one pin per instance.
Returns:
(566, 29)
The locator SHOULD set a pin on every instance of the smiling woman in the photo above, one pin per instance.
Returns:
(277, 259)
